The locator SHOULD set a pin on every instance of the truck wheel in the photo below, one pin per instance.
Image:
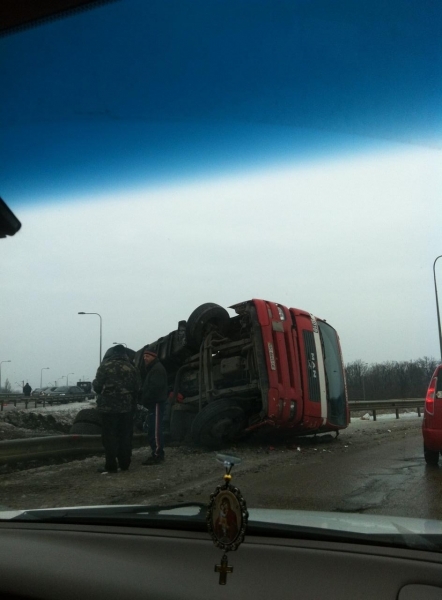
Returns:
(88, 415)
(85, 429)
(178, 425)
(431, 457)
(218, 424)
(202, 319)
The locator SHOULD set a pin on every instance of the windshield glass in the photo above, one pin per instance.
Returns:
(336, 392)
(212, 194)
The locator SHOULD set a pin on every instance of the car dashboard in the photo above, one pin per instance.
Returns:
(58, 561)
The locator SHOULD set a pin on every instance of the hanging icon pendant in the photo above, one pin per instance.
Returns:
(227, 517)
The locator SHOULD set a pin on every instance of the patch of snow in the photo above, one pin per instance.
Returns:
(408, 415)
(71, 407)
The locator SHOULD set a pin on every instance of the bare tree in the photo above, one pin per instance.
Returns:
(7, 388)
(388, 380)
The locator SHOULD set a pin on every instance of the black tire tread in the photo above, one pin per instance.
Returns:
(431, 456)
(217, 408)
(199, 318)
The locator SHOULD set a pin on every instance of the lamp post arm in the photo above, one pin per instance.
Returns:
(101, 336)
(437, 305)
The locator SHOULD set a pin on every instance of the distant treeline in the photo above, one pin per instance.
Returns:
(388, 380)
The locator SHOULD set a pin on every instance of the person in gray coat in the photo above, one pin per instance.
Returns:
(153, 397)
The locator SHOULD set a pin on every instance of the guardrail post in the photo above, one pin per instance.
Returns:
(35, 403)
(374, 415)
(15, 402)
(418, 411)
(44, 401)
(397, 413)
(1, 408)
(26, 403)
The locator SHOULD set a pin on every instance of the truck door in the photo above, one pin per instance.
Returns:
(335, 377)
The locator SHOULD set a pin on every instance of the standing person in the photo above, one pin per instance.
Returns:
(153, 397)
(117, 384)
(27, 389)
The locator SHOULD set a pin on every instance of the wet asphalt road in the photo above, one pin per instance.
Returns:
(386, 475)
(373, 467)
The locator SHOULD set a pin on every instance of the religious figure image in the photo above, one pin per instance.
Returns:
(226, 519)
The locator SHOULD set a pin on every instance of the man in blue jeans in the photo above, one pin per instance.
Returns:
(153, 397)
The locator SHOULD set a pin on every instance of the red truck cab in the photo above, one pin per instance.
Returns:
(307, 389)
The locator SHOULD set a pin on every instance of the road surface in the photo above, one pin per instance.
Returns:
(382, 477)
(373, 467)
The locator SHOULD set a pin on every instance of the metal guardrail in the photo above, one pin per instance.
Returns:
(7, 399)
(79, 445)
(56, 446)
(374, 405)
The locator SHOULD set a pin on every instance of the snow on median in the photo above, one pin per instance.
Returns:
(54, 419)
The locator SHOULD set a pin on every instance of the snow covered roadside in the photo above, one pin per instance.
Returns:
(56, 419)
(384, 417)
(74, 407)
(50, 420)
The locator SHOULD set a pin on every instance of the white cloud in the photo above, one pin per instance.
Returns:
(351, 240)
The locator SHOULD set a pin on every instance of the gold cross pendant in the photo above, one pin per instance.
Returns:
(223, 569)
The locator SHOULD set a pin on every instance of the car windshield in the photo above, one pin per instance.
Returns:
(230, 219)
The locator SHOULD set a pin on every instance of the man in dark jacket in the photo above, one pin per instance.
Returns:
(153, 397)
(27, 389)
(118, 383)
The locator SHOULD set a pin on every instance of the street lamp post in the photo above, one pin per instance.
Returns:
(118, 343)
(101, 328)
(1, 362)
(41, 375)
(67, 378)
(437, 305)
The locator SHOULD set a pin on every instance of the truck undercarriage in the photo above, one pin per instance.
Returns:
(216, 380)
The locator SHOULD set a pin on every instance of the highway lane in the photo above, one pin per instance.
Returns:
(385, 475)
(373, 467)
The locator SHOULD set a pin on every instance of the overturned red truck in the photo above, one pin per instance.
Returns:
(267, 366)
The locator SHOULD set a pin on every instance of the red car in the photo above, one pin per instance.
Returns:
(432, 423)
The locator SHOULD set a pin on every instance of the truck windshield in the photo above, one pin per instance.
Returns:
(334, 373)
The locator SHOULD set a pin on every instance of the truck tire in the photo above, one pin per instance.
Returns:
(201, 320)
(178, 426)
(431, 457)
(181, 425)
(88, 415)
(218, 424)
(85, 429)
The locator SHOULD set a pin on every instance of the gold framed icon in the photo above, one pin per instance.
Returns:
(227, 517)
